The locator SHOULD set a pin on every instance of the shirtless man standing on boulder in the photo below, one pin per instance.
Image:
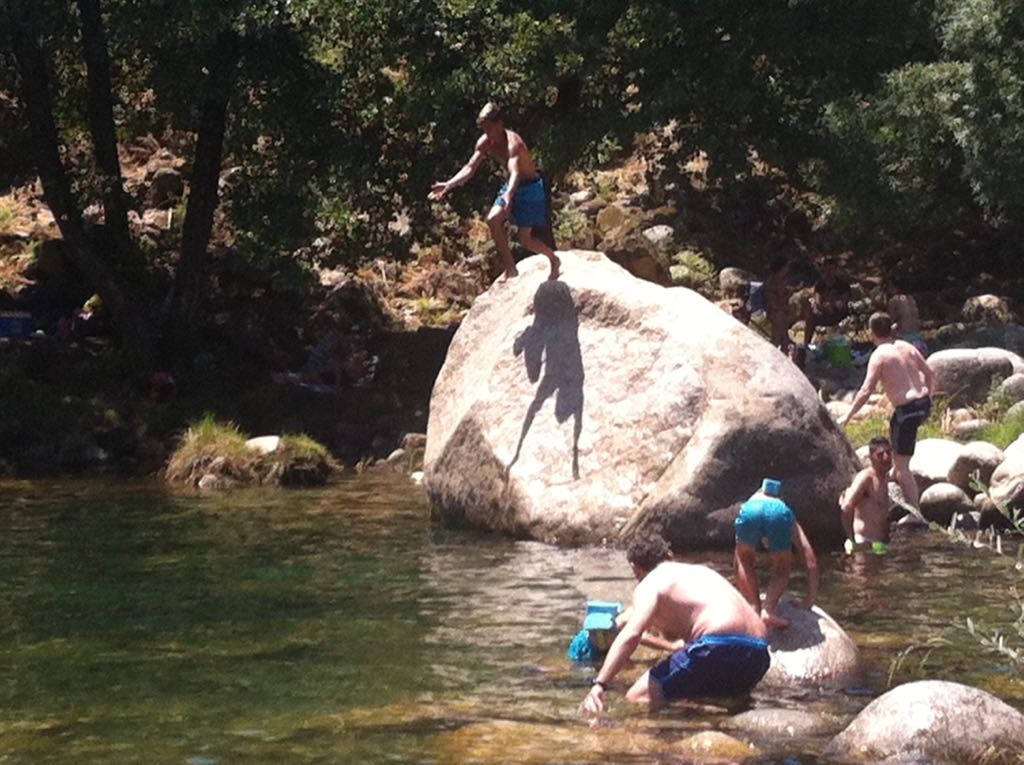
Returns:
(722, 648)
(865, 503)
(521, 200)
(908, 383)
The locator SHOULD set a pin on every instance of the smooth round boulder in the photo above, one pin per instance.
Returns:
(975, 462)
(933, 721)
(966, 375)
(1007, 485)
(933, 459)
(987, 309)
(580, 410)
(1013, 387)
(734, 281)
(813, 648)
(940, 502)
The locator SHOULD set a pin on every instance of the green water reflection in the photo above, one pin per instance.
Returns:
(338, 625)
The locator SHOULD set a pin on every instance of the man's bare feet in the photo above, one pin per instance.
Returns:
(555, 267)
(510, 273)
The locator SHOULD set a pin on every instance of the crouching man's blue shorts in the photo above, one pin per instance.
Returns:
(714, 665)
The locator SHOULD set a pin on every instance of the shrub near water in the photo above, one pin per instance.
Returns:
(216, 453)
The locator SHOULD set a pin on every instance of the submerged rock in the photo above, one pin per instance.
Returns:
(784, 723)
(571, 411)
(527, 743)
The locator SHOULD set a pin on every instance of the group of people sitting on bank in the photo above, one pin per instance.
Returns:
(828, 303)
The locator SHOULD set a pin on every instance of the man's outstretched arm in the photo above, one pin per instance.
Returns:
(439, 189)
(870, 383)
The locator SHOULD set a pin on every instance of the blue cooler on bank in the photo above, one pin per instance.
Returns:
(15, 324)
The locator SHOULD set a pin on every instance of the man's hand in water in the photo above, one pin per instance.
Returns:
(593, 702)
(438, 190)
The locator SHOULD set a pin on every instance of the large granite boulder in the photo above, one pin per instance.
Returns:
(813, 648)
(933, 721)
(576, 410)
(967, 375)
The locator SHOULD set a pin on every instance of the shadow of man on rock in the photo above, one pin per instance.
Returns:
(550, 348)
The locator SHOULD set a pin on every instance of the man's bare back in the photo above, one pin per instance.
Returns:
(693, 601)
(901, 370)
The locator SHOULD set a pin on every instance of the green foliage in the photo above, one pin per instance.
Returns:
(434, 312)
(691, 269)
(1003, 429)
(570, 225)
(900, 114)
(1003, 432)
(1009, 644)
(943, 136)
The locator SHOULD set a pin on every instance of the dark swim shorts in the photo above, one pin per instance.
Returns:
(765, 518)
(904, 424)
(714, 665)
(529, 205)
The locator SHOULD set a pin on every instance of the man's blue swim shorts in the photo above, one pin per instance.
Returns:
(765, 518)
(529, 205)
(714, 665)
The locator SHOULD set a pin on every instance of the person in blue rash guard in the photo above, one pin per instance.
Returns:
(765, 520)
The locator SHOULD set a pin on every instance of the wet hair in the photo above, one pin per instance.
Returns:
(648, 550)
(491, 112)
(880, 324)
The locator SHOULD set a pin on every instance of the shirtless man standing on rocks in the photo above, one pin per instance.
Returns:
(865, 503)
(908, 383)
(521, 200)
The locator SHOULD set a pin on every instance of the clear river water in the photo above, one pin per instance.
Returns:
(339, 625)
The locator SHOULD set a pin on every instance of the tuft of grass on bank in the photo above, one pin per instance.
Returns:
(214, 454)
(210, 446)
(1004, 432)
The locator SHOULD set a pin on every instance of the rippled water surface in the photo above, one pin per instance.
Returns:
(339, 625)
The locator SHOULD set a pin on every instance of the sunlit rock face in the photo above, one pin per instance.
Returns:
(571, 411)
(933, 721)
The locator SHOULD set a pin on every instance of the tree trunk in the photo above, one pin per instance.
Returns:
(203, 191)
(102, 126)
(35, 88)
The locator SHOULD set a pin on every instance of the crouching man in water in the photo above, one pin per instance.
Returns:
(723, 649)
